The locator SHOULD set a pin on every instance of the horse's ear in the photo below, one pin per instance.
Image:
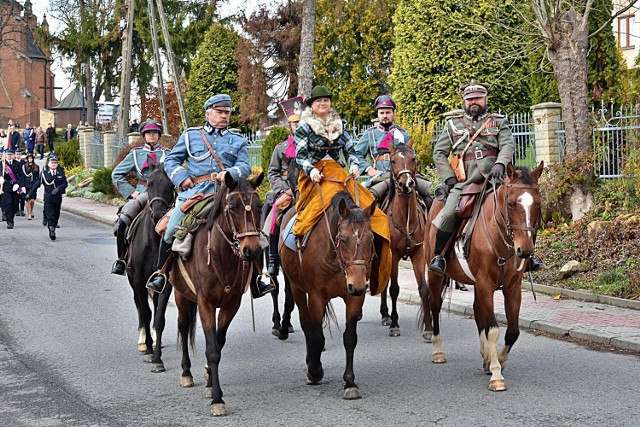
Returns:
(538, 171)
(392, 147)
(368, 211)
(343, 209)
(511, 171)
(410, 143)
(257, 180)
(229, 181)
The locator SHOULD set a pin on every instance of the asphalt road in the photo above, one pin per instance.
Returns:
(68, 357)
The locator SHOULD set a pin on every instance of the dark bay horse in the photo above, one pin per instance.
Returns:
(502, 242)
(142, 256)
(213, 280)
(336, 262)
(406, 227)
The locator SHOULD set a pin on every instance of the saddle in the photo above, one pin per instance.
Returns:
(468, 209)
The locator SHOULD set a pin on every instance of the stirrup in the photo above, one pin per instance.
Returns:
(151, 285)
(437, 269)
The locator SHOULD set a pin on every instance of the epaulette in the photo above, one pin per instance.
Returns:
(457, 116)
(194, 128)
(497, 115)
(234, 132)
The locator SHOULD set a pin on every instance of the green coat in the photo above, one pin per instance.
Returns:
(493, 145)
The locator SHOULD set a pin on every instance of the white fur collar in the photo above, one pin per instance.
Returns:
(330, 128)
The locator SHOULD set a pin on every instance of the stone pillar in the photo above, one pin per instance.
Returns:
(109, 139)
(85, 135)
(545, 119)
(133, 137)
(46, 117)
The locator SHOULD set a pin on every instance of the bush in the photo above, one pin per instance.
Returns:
(276, 136)
(69, 154)
(102, 182)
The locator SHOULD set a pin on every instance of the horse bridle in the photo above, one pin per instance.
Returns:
(396, 176)
(344, 264)
(234, 242)
(167, 204)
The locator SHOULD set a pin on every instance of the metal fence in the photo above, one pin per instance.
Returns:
(522, 128)
(96, 150)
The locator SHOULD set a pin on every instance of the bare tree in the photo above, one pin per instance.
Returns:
(307, 38)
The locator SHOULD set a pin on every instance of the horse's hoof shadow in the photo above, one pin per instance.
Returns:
(352, 393)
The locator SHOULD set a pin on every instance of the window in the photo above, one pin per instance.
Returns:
(624, 31)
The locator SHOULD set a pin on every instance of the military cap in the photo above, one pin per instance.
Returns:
(9, 151)
(474, 90)
(18, 151)
(150, 125)
(218, 100)
(384, 101)
(318, 92)
(292, 107)
(53, 158)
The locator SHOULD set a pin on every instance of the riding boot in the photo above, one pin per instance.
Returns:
(52, 232)
(158, 280)
(439, 262)
(258, 287)
(119, 266)
(274, 258)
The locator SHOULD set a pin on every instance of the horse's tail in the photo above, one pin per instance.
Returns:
(329, 317)
(191, 314)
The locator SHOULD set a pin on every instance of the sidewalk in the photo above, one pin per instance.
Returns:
(616, 322)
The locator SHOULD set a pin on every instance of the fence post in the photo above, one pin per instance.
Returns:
(545, 121)
(109, 137)
(84, 139)
(133, 137)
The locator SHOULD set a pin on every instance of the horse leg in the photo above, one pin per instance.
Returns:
(488, 331)
(384, 309)
(289, 305)
(311, 316)
(144, 316)
(142, 346)
(186, 330)
(161, 301)
(394, 291)
(512, 300)
(350, 340)
(435, 285)
(275, 318)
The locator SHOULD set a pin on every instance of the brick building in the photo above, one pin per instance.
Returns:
(26, 81)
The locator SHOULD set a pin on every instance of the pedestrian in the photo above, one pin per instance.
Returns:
(13, 137)
(41, 138)
(12, 186)
(373, 150)
(210, 152)
(31, 173)
(136, 161)
(69, 133)
(51, 136)
(55, 183)
(22, 198)
(29, 136)
(3, 139)
(320, 139)
(484, 144)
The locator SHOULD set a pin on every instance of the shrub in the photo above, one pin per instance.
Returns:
(276, 136)
(69, 154)
(102, 182)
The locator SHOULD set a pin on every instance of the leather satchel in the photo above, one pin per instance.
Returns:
(457, 164)
(467, 201)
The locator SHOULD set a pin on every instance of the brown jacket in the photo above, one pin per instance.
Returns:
(40, 138)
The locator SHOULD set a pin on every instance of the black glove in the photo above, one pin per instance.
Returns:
(55, 191)
(496, 171)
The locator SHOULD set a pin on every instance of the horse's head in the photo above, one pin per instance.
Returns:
(160, 189)
(354, 244)
(521, 208)
(242, 204)
(403, 167)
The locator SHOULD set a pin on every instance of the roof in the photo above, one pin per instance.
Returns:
(33, 50)
(73, 101)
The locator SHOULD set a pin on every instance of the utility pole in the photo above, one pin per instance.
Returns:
(156, 58)
(172, 64)
(125, 78)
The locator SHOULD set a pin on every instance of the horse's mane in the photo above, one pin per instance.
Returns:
(355, 212)
(525, 176)
(242, 185)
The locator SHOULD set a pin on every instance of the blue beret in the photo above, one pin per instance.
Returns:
(219, 100)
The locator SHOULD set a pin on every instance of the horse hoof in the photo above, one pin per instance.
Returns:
(282, 336)
(208, 392)
(426, 336)
(186, 382)
(159, 367)
(142, 348)
(386, 321)
(394, 332)
(438, 358)
(275, 332)
(351, 393)
(218, 410)
(497, 385)
(312, 381)
(147, 358)
(291, 329)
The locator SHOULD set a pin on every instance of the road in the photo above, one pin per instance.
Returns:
(68, 358)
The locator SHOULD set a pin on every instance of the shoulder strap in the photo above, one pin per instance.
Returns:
(484, 125)
(213, 153)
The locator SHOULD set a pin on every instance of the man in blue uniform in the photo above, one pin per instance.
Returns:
(12, 186)
(204, 173)
(136, 161)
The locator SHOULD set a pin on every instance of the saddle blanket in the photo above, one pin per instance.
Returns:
(288, 237)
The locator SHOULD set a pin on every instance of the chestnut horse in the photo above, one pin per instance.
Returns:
(502, 241)
(406, 227)
(213, 280)
(336, 262)
(142, 256)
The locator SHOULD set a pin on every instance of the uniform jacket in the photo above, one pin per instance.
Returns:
(279, 168)
(457, 132)
(316, 139)
(368, 147)
(16, 168)
(51, 180)
(31, 180)
(191, 150)
(136, 161)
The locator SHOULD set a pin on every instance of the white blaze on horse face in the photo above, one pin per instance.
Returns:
(526, 201)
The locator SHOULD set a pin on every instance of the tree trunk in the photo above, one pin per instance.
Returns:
(307, 40)
(568, 55)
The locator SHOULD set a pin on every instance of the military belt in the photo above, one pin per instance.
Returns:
(202, 178)
(480, 154)
(381, 157)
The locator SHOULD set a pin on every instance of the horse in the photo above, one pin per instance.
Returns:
(502, 242)
(218, 272)
(336, 262)
(406, 227)
(141, 263)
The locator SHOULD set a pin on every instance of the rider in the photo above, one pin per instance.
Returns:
(490, 151)
(278, 177)
(209, 153)
(374, 145)
(137, 161)
(320, 139)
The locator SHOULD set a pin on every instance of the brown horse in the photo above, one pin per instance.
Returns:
(217, 274)
(503, 240)
(336, 262)
(406, 227)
